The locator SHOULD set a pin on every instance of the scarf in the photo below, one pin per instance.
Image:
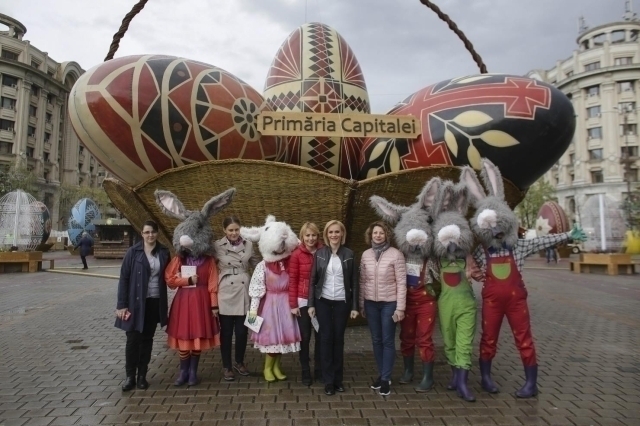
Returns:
(277, 267)
(378, 249)
(194, 261)
(236, 242)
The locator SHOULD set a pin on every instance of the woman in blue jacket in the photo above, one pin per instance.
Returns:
(142, 302)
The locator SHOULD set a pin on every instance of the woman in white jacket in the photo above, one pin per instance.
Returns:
(383, 291)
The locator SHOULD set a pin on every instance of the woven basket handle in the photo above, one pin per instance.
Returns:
(452, 25)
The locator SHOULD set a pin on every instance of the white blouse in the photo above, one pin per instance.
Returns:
(333, 286)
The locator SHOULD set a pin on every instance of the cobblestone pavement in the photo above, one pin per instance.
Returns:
(62, 363)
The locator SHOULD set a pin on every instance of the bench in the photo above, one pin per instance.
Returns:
(26, 265)
(613, 264)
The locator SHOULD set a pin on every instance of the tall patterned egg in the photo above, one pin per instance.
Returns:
(141, 115)
(315, 70)
(551, 219)
(522, 125)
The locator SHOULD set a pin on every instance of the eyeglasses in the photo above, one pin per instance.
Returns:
(149, 232)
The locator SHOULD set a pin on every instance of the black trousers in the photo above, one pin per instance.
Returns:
(332, 317)
(84, 261)
(306, 330)
(229, 324)
(140, 345)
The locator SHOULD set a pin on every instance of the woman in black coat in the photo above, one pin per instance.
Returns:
(142, 302)
(85, 244)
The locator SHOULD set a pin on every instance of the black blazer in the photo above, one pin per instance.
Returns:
(349, 271)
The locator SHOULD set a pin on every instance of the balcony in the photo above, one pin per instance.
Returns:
(8, 114)
(48, 126)
(33, 120)
(7, 135)
(49, 106)
(47, 146)
(31, 140)
(34, 99)
(11, 91)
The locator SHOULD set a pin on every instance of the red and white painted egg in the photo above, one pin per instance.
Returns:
(315, 70)
(522, 125)
(551, 219)
(141, 115)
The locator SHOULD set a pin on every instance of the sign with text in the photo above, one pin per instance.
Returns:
(272, 123)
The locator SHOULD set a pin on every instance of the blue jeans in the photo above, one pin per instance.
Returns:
(383, 335)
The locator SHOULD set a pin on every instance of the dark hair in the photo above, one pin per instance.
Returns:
(229, 220)
(387, 230)
(150, 223)
(153, 226)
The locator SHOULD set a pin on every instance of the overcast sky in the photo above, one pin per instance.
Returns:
(401, 45)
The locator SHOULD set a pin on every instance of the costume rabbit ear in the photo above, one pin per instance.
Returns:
(492, 179)
(389, 212)
(429, 192)
(443, 198)
(170, 205)
(219, 202)
(460, 199)
(475, 191)
(251, 233)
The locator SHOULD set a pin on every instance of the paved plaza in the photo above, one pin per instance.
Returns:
(62, 363)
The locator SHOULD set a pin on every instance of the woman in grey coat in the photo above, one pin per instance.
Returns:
(235, 259)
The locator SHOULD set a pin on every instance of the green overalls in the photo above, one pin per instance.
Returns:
(457, 313)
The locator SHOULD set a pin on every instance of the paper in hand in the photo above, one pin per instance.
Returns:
(315, 324)
(187, 271)
(256, 324)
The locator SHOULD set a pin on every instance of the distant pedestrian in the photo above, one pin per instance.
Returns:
(142, 302)
(85, 244)
(552, 254)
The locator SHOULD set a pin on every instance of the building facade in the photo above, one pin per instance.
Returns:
(602, 79)
(35, 130)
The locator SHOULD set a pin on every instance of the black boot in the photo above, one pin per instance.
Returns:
(142, 383)
(453, 383)
(427, 378)
(461, 385)
(407, 377)
(530, 388)
(306, 378)
(193, 370)
(486, 381)
(129, 383)
(184, 372)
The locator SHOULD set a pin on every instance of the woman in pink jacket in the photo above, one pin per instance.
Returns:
(383, 291)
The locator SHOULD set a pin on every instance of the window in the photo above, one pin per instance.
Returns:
(628, 129)
(569, 74)
(571, 177)
(50, 98)
(595, 154)
(8, 103)
(6, 147)
(592, 66)
(625, 86)
(626, 106)
(90, 169)
(594, 133)
(633, 35)
(81, 150)
(593, 91)
(47, 136)
(35, 90)
(79, 167)
(632, 151)
(35, 64)
(33, 111)
(7, 80)
(572, 205)
(7, 54)
(31, 132)
(593, 112)
(623, 61)
(617, 36)
(572, 159)
(46, 156)
(50, 72)
(7, 125)
(30, 151)
(597, 176)
(599, 39)
(47, 118)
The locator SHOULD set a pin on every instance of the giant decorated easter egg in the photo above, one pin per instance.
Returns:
(315, 70)
(141, 115)
(551, 219)
(522, 125)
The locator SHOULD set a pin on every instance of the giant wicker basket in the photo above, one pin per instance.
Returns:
(291, 193)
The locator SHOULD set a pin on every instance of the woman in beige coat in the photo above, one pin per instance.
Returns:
(383, 292)
(235, 259)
